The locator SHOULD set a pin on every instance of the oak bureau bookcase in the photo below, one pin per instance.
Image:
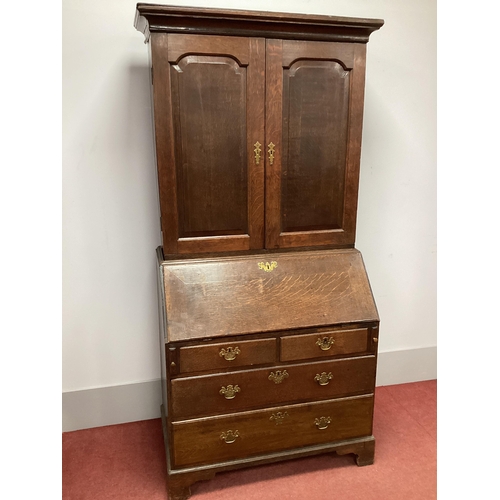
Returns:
(268, 326)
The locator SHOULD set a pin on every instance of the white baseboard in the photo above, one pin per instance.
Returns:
(111, 405)
(405, 366)
(141, 401)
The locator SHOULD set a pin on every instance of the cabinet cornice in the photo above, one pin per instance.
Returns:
(152, 18)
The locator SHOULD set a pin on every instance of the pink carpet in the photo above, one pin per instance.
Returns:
(127, 461)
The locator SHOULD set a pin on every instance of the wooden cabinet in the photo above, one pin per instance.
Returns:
(269, 329)
(265, 362)
(258, 139)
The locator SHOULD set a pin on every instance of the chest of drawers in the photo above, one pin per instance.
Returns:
(262, 365)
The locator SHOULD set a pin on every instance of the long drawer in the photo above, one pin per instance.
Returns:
(240, 390)
(281, 428)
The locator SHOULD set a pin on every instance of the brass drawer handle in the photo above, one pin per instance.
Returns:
(229, 436)
(324, 378)
(230, 391)
(278, 377)
(270, 150)
(230, 353)
(322, 422)
(278, 417)
(257, 152)
(325, 343)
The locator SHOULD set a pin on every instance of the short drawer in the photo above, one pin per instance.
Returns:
(241, 390)
(253, 433)
(227, 355)
(324, 344)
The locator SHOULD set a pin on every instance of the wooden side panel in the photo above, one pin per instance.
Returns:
(235, 295)
(164, 140)
(200, 396)
(354, 140)
(270, 430)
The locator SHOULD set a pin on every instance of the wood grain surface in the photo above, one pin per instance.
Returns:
(209, 111)
(200, 395)
(231, 295)
(199, 441)
(295, 347)
(208, 357)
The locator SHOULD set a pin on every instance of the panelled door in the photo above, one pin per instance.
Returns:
(314, 106)
(209, 115)
(258, 141)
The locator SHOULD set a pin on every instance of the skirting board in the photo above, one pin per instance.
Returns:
(405, 366)
(141, 401)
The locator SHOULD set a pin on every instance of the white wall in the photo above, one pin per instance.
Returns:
(109, 200)
(110, 215)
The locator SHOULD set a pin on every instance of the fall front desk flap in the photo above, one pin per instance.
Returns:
(259, 293)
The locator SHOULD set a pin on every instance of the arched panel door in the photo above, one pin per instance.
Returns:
(209, 114)
(313, 126)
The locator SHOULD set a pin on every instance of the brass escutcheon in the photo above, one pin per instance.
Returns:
(322, 422)
(229, 436)
(278, 377)
(270, 150)
(257, 152)
(230, 353)
(324, 378)
(278, 417)
(325, 343)
(230, 391)
(265, 266)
